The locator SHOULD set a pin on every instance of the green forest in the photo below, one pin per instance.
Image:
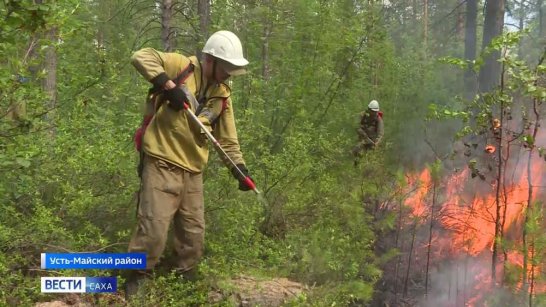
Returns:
(447, 210)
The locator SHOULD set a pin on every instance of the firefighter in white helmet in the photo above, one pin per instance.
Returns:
(371, 129)
(174, 150)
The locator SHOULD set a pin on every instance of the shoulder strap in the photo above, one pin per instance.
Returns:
(224, 107)
(179, 79)
(202, 106)
(184, 74)
(203, 102)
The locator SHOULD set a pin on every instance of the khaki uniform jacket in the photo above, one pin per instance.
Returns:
(371, 127)
(171, 135)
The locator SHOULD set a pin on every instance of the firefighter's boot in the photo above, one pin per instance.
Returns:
(133, 283)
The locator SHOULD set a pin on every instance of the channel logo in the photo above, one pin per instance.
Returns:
(78, 284)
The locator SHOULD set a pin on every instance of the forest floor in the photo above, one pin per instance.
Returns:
(239, 291)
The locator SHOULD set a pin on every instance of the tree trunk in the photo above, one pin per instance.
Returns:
(399, 258)
(521, 25)
(470, 47)
(425, 24)
(459, 26)
(17, 110)
(540, 9)
(494, 21)
(203, 10)
(265, 51)
(429, 247)
(532, 279)
(166, 16)
(499, 188)
(50, 82)
(530, 207)
(505, 196)
(406, 281)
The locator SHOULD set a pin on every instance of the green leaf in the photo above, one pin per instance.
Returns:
(528, 139)
(12, 21)
(23, 162)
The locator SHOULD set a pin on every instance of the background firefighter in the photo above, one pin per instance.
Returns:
(370, 132)
(175, 151)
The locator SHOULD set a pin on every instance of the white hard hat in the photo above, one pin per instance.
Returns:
(374, 105)
(226, 46)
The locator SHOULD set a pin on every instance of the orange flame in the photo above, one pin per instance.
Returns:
(417, 201)
(467, 213)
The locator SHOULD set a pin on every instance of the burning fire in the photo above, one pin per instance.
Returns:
(465, 212)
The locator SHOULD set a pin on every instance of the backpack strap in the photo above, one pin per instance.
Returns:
(184, 73)
(202, 103)
(224, 107)
(179, 79)
(212, 119)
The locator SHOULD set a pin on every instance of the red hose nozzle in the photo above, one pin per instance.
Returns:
(249, 183)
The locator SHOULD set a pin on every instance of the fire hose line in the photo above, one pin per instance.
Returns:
(220, 150)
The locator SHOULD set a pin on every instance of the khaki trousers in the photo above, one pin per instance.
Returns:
(362, 146)
(169, 193)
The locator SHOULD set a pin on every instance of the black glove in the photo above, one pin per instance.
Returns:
(159, 81)
(242, 184)
(177, 98)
